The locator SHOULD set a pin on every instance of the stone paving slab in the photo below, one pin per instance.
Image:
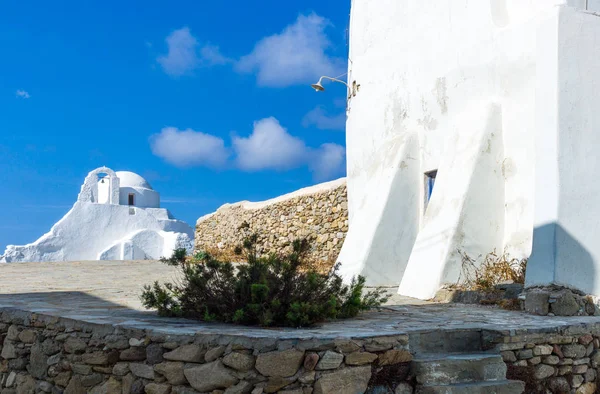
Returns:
(107, 292)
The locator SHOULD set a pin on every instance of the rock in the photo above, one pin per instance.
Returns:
(172, 370)
(543, 371)
(211, 376)
(508, 356)
(50, 347)
(352, 380)
(91, 380)
(120, 369)
(565, 370)
(183, 390)
(310, 361)
(330, 360)
(590, 375)
(62, 379)
(137, 387)
(214, 353)
(11, 379)
(536, 302)
(27, 336)
(239, 361)
(100, 358)
(155, 388)
(586, 388)
(9, 351)
(142, 370)
(133, 354)
(45, 387)
(393, 357)
(403, 388)
(556, 350)
(360, 358)
(307, 377)
(38, 362)
(576, 380)
(13, 333)
(565, 304)
(595, 359)
(279, 363)
(525, 354)
(551, 360)
(585, 339)
(187, 353)
(118, 342)
(559, 385)
(75, 386)
(134, 342)
(81, 369)
(25, 384)
(574, 351)
(154, 353)
(74, 345)
(580, 369)
(126, 383)
(53, 360)
(542, 350)
(242, 387)
(275, 383)
(111, 386)
(535, 360)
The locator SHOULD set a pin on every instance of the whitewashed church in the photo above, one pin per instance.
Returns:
(475, 128)
(117, 216)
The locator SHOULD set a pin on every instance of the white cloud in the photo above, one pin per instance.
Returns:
(268, 147)
(212, 56)
(184, 148)
(319, 118)
(23, 94)
(296, 55)
(328, 162)
(185, 55)
(181, 58)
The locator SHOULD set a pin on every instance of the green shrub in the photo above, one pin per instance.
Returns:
(267, 291)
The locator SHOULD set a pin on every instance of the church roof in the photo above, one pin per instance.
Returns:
(131, 179)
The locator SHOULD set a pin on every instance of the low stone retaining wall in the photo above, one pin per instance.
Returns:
(320, 212)
(40, 353)
(54, 355)
(563, 361)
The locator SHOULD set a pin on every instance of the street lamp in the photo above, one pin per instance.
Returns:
(319, 85)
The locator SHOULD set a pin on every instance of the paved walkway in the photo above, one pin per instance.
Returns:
(108, 293)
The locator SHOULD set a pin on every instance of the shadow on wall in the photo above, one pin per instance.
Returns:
(558, 258)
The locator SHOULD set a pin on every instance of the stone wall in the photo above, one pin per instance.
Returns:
(320, 212)
(554, 362)
(55, 355)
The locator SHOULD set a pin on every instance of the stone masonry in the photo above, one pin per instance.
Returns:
(54, 355)
(319, 212)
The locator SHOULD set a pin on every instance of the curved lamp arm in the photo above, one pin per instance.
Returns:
(333, 79)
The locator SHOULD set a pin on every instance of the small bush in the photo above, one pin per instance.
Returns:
(494, 270)
(267, 291)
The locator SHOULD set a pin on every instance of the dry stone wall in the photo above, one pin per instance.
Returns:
(43, 354)
(319, 212)
(557, 362)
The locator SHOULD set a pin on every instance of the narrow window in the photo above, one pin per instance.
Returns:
(429, 184)
(131, 201)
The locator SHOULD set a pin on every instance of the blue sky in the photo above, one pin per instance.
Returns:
(208, 100)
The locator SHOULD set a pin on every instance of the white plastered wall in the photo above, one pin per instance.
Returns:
(566, 249)
(437, 70)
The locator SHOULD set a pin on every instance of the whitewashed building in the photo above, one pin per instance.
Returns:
(475, 128)
(117, 216)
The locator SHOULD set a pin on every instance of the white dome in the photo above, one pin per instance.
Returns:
(131, 179)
